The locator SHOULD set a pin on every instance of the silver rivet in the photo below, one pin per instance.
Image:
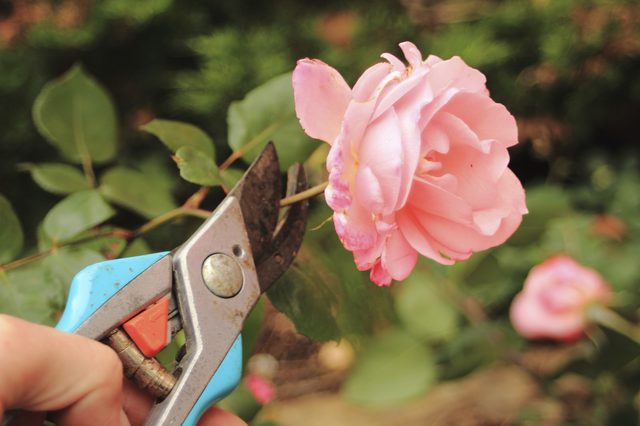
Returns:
(222, 275)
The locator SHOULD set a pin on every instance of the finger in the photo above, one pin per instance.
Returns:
(137, 405)
(215, 416)
(46, 370)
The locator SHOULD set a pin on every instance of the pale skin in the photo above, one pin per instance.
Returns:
(77, 381)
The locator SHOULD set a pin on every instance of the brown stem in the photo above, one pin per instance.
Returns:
(44, 253)
(123, 233)
(311, 192)
(260, 137)
(195, 200)
(170, 215)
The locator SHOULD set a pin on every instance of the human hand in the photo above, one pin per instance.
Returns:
(71, 380)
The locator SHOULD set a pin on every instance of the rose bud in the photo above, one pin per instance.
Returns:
(262, 390)
(418, 160)
(555, 298)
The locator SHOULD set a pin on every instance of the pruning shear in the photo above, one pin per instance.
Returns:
(207, 287)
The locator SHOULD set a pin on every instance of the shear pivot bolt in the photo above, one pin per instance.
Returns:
(222, 275)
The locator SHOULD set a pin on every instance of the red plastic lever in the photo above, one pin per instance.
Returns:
(149, 329)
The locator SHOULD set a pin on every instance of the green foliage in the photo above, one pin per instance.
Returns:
(196, 167)
(11, 236)
(305, 295)
(391, 369)
(133, 190)
(194, 150)
(566, 69)
(27, 293)
(144, 10)
(230, 66)
(76, 213)
(424, 311)
(57, 178)
(325, 296)
(176, 134)
(276, 121)
(77, 116)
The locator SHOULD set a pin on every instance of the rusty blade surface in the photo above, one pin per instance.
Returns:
(289, 234)
(259, 194)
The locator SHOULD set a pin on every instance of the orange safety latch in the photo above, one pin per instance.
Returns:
(150, 328)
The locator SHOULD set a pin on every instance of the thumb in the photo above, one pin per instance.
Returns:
(44, 369)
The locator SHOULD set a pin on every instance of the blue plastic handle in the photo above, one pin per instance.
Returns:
(97, 283)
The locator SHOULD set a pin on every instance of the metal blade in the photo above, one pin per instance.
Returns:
(290, 232)
(259, 195)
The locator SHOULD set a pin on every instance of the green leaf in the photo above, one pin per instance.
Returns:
(137, 247)
(251, 330)
(11, 236)
(267, 113)
(196, 167)
(544, 204)
(57, 178)
(28, 293)
(176, 134)
(77, 116)
(424, 311)
(76, 213)
(485, 279)
(326, 297)
(304, 295)
(66, 262)
(136, 191)
(231, 176)
(109, 246)
(144, 10)
(392, 368)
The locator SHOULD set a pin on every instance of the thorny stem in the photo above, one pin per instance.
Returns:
(189, 208)
(128, 235)
(42, 254)
(606, 317)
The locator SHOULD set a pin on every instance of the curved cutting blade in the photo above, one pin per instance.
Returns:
(259, 193)
(289, 235)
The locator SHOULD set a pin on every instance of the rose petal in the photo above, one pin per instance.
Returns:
(427, 197)
(368, 190)
(321, 98)
(355, 228)
(411, 52)
(381, 152)
(379, 275)
(532, 321)
(456, 73)
(398, 257)
(370, 80)
(396, 63)
(418, 238)
(486, 118)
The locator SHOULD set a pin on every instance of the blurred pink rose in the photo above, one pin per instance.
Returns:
(418, 160)
(262, 389)
(555, 298)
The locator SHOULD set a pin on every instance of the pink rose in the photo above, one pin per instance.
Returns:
(262, 389)
(555, 298)
(418, 160)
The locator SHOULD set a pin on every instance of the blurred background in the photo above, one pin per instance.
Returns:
(438, 349)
